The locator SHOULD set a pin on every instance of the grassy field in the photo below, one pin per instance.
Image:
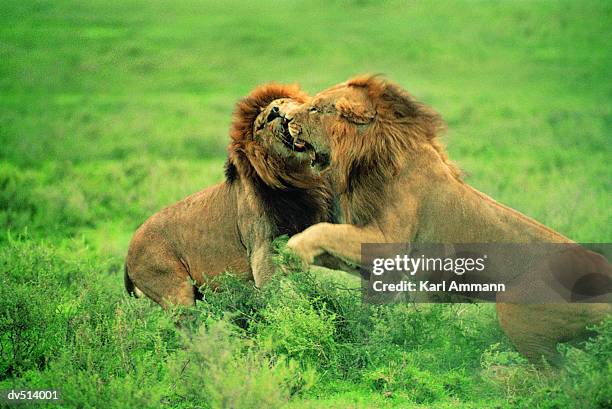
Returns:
(110, 110)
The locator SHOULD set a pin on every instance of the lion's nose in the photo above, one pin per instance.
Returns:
(274, 113)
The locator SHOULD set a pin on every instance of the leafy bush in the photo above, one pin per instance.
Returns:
(219, 368)
(399, 377)
(61, 327)
(33, 313)
(583, 380)
(296, 338)
(299, 331)
(589, 370)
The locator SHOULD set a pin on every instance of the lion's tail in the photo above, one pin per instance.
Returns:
(130, 287)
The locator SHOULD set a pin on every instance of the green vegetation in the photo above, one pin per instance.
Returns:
(111, 110)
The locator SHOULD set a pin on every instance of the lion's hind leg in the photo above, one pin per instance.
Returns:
(167, 283)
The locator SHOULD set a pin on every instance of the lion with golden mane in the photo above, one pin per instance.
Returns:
(272, 187)
(396, 184)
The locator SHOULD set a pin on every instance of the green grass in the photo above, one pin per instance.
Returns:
(111, 110)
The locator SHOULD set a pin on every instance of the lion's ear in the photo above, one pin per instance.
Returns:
(405, 108)
(401, 104)
(356, 112)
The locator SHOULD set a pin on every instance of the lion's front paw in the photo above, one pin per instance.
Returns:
(304, 248)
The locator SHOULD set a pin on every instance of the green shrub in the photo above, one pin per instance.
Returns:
(589, 370)
(61, 326)
(399, 377)
(33, 312)
(299, 332)
(297, 337)
(582, 381)
(81, 388)
(218, 369)
(233, 297)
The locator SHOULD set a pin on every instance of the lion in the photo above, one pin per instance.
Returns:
(273, 186)
(396, 184)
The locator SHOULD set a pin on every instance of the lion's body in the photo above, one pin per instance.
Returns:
(189, 242)
(269, 191)
(396, 184)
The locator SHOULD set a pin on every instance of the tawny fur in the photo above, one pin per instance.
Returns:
(269, 190)
(396, 184)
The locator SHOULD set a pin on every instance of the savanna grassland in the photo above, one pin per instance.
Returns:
(110, 110)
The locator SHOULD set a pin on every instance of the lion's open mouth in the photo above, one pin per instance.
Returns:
(319, 160)
(295, 144)
(280, 126)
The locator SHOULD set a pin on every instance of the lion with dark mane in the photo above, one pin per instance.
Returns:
(273, 187)
(396, 184)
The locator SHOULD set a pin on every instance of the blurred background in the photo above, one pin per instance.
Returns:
(111, 110)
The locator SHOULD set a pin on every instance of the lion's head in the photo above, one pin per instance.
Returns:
(367, 125)
(261, 142)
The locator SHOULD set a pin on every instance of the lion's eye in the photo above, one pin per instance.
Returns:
(313, 110)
